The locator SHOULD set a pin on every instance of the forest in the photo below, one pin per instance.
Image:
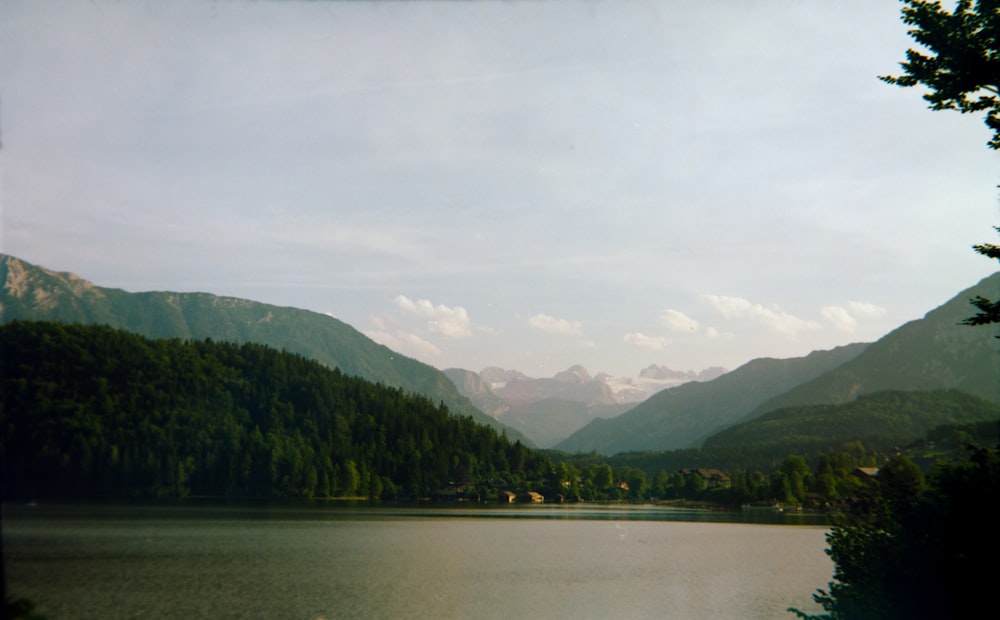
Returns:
(92, 412)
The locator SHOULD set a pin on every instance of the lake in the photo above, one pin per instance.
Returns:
(385, 562)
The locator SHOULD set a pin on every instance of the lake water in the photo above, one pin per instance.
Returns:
(309, 562)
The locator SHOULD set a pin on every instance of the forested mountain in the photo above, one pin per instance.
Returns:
(680, 417)
(34, 293)
(95, 411)
(881, 419)
(932, 425)
(934, 352)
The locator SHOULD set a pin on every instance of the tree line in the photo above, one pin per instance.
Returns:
(93, 411)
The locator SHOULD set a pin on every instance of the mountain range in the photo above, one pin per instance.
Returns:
(935, 352)
(31, 292)
(659, 410)
(547, 410)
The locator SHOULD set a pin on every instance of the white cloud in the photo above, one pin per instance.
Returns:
(773, 318)
(638, 339)
(713, 333)
(864, 310)
(552, 325)
(406, 343)
(452, 322)
(678, 321)
(840, 318)
(846, 319)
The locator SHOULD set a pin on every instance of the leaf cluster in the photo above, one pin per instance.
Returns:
(962, 68)
(989, 311)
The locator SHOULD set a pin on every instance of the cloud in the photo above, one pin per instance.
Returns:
(713, 334)
(864, 310)
(641, 340)
(772, 319)
(678, 321)
(452, 322)
(552, 325)
(846, 319)
(406, 343)
(840, 318)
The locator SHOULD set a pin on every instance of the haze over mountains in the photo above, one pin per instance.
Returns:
(574, 411)
(548, 410)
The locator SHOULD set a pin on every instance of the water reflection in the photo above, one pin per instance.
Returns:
(337, 510)
(346, 561)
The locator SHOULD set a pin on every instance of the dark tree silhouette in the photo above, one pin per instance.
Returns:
(989, 311)
(962, 69)
(962, 72)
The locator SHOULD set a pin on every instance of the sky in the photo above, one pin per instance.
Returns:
(530, 185)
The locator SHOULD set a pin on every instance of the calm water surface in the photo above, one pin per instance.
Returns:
(576, 562)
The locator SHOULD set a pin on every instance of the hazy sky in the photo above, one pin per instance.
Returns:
(522, 184)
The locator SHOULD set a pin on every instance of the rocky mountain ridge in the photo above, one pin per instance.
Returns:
(549, 409)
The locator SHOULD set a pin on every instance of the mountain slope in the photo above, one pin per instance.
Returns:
(680, 417)
(883, 419)
(34, 293)
(472, 386)
(549, 421)
(931, 353)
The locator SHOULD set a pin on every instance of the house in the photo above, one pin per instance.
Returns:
(530, 497)
(506, 497)
(867, 474)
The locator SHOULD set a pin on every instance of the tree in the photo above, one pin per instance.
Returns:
(962, 73)
(962, 70)
(910, 551)
(989, 311)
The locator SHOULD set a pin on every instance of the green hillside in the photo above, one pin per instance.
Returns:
(681, 417)
(934, 352)
(34, 293)
(884, 419)
(94, 411)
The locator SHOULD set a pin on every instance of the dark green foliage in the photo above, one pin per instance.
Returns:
(907, 551)
(989, 311)
(19, 609)
(962, 70)
(881, 423)
(93, 411)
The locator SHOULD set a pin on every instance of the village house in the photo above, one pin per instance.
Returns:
(867, 474)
